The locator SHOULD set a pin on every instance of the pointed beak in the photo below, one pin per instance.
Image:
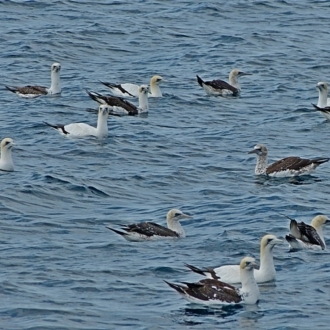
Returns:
(245, 74)
(255, 265)
(185, 216)
(253, 151)
(278, 241)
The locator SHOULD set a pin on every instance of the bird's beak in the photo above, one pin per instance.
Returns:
(185, 216)
(277, 241)
(246, 74)
(327, 221)
(255, 265)
(253, 151)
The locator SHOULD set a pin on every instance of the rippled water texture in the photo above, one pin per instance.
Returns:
(60, 268)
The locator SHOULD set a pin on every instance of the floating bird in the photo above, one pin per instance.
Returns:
(289, 166)
(303, 236)
(222, 88)
(231, 273)
(323, 103)
(121, 106)
(132, 90)
(151, 231)
(35, 91)
(213, 291)
(80, 130)
(6, 161)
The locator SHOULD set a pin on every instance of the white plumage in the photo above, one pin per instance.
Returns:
(81, 130)
(6, 160)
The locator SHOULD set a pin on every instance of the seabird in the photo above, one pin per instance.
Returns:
(80, 130)
(231, 273)
(323, 103)
(213, 291)
(289, 166)
(6, 161)
(303, 236)
(132, 90)
(222, 88)
(150, 231)
(121, 106)
(35, 91)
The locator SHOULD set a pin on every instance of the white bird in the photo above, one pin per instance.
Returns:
(212, 291)
(303, 236)
(222, 88)
(289, 166)
(231, 273)
(81, 130)
(323, 104)
(132, 90)
(120, 106)
(6, 160)
(151, 231)
(36, 91)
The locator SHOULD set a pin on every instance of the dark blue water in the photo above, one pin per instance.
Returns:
(60, 268)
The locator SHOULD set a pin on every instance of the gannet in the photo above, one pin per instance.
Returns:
(213, 291)
(121, 106)
(80, 130)
(289, 166)
(222, 88)
(132, 90)
(6, 161)
(35, 91)
(150, 231)
(303, 236)
(231, 273)
(323, 103)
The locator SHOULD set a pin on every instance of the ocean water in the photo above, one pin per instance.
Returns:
(60, 268)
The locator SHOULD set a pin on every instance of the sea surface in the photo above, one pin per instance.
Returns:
(60, 267)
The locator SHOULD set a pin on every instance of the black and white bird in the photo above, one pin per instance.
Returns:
(145, 231)
(213, 291)
(323, 104)
(132, 90)
(231, 273)
(6, 160)
(289, 166)
(222, 88)
(121, 106)
(81, 130)
(32, 91)
(303, 236)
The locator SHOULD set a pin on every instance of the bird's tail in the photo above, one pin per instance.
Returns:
(11, 88)
(200, 81)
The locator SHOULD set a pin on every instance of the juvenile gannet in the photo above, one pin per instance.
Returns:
(150, 231)
(231, 273)
(213, 291)
(80, 130)
(222, 88)
(132, 90)
(6, 161)
(289, 166)
(120, 106)
(303, 236)
(35, 91)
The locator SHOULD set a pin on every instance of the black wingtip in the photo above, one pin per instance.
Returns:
(10, 88)
(116, 231)
(176, 287)
(200, 81)
(195, 269)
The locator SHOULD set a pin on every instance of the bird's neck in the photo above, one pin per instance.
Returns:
(55, 87)
(234, 82)
(267, 261)
(261, 166)
(176, 226)
(322, 102)
(143, 102)
(102, 126)
(155, 90)
(6, 161)
(249, 288)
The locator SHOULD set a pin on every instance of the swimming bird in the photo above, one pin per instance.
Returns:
(231, 273)
(323, 103)
(150, 231)
(289, 166)
(303, 236)
(132, 90)
(36, 91)
(80, 130)
(6, 160)
(121, 106)
(222, 88)
(213, 291)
